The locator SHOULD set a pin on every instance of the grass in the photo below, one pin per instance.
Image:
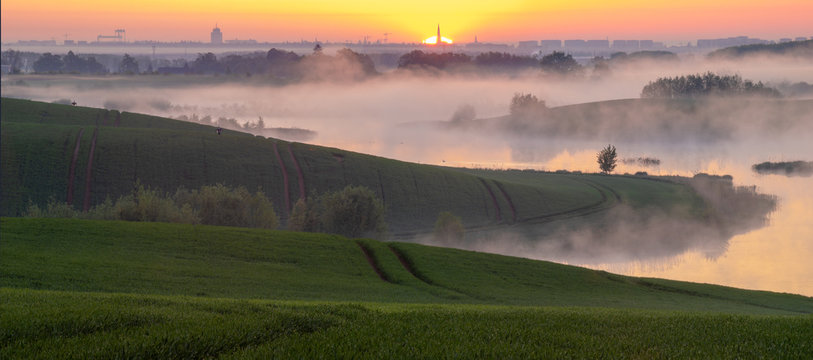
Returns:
(209, 261)
(72, 325)
(102, 289)
(38, 140)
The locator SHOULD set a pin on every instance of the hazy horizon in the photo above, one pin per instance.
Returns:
(406, 22)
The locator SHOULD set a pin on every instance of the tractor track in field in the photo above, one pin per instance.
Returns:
(299, 176)
(287, 195)
(368, 254)
(72, 171)
(89, 171)
(493, 198)
(510, 202)
(409, 267)
(609, 199)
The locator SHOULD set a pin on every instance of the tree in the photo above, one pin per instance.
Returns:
(559, 63)
(464, 113)
(48, 63)
(128, 65)
(353, 212)
(607, 158)
(526, 104)
(448, 228)
(304, 216)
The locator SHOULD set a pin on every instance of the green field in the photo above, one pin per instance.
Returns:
(42, 143)
(102, 289)
(79, 289)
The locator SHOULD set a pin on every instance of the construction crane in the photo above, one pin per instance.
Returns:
(119, 37)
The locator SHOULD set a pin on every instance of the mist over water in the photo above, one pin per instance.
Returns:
(404, 117)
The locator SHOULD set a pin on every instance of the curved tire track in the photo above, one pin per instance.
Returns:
(493, 198)
(300, 177)
(284, 179)
(72, 171)
(507, 198)
(609, 199)
(89, 171)
(368, 254)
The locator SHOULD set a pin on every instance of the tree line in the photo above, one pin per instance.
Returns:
(704, 85)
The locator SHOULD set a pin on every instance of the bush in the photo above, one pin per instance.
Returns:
(352, 212)
(448, 228)
(304, 216)
(211, 205)
(526, 104)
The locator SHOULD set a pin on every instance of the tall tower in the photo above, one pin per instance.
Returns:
(437, 40)
(217, 36)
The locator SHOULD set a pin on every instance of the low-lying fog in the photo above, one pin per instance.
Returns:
(398, 116)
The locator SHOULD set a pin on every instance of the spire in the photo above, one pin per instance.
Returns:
(438, 41)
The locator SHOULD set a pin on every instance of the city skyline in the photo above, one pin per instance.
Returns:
(406, 22)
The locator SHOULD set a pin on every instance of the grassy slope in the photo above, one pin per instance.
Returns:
(38, 141)
(176, 259)
(91, 289)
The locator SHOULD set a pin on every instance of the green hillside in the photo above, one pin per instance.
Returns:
(85, 155)
(195, 260)
(81, 289)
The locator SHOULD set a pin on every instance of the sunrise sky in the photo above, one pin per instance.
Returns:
(407, 21)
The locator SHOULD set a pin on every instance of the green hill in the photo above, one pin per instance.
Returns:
(80, 289)
(195, 260)
(84, 155)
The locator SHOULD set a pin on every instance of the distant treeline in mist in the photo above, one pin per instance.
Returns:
(702, 85)
(345, 64)
(789, 168)
(556, 63)
(792, 48)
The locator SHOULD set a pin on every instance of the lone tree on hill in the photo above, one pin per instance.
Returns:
(607, 158)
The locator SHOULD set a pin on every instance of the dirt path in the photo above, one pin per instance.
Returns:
(493, 199)
(284, 178)
(72, 171)
(507, 198)
(371, 259)
(299, 175)
(89, 171)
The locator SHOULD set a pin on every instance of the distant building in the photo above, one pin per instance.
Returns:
(801, 38)
(551, 44)
(241, 42)
(528, 44)
(626, 45)
(598, 44)
(217, 36)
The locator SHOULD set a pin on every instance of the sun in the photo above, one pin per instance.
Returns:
(434, 40)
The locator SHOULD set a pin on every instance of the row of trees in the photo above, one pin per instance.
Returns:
(556, 63)
(354, 211)
(210, 205)
(702, 85)
(70, 63)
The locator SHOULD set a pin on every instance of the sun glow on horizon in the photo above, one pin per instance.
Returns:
(434, 40)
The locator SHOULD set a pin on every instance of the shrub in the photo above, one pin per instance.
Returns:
(352, 212)
(304, 216)
(448, 228)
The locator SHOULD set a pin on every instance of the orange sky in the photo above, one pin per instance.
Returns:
(407, 21)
